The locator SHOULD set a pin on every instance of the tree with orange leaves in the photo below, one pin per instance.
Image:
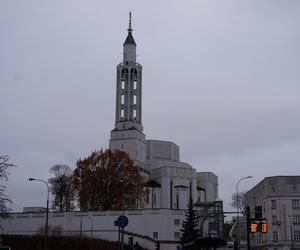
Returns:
(108, 180)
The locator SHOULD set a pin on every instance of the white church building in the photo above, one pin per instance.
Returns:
(171, 181)
(176, 181)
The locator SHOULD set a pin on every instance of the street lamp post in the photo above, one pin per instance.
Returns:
(237, 209)
(91, 239)
(291, 229)
(47, 209)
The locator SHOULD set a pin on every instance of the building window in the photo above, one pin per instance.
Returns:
(176, 235)
(295, 203)
(273, 189)
(296, 219)
(155, 235)
(297, 235)
(177, 222)
(294, 189)
(275, 236)
(122, 99)
(273, 204)
(274, 219)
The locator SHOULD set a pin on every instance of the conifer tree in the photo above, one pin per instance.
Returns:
(189, 230)
(5, 164)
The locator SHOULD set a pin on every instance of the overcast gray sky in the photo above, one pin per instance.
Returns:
(220, 79)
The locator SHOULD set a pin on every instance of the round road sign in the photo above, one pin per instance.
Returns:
(122, 221)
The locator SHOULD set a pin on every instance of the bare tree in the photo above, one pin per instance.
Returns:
(239, 199)
(5, 164)
(61, 187)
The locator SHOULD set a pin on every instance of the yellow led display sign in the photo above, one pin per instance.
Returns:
(263, 225)
(253, 227)
(258, 225)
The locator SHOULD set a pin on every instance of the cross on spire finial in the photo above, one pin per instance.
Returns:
(130, 29)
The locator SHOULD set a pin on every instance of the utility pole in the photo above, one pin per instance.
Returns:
(247, 210)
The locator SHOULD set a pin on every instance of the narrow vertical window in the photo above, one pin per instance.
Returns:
(295, 203)
(296, 219)
(275, 236)
(177, 235)
(135, 84)
(297, 235)
(273, 204)
(177, 222)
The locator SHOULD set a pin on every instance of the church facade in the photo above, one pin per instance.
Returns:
(171, 181)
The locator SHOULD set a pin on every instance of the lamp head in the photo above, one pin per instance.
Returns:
(31, 179)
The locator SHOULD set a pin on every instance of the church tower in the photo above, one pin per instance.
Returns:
(128, 132)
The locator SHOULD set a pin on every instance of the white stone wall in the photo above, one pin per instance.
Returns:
(130, 141)
(209, 182)
(162, 150)
(129, 53)
(164, 223)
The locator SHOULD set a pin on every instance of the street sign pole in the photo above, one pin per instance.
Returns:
(121, 222)
(122, 244)
(119, 238)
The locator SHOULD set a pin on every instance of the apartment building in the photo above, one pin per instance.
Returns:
(279, 197)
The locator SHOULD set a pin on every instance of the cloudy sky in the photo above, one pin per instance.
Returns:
(220, 78)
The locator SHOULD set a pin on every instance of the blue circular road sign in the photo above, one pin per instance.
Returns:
(122, 221)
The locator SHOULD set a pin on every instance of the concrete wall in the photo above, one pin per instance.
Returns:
(209, 182)
(162, 150)
(161, 223)
(130, 141)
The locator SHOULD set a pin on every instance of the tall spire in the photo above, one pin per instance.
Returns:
(128, 132)
(130, 29)
(129, 39)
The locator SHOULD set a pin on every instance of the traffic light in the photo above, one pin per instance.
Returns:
(157, 245)
(253, 227)
(247, 211)
(263, 226)
(258, 212)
